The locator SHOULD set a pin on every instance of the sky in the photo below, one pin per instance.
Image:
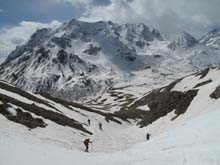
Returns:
(12, 12)
(20, 18)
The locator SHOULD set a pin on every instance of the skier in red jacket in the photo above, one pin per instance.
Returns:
(86, 142)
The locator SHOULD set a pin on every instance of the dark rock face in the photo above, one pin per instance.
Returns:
(203, 73)
(158, 56)
(24, 58)
(216, 93)
(126, 53)
(62, 57)
(42, 55)
(62, 42)
(15, 77)
(202, 83)
(92, 50)
(45, 86)
(140, 44)
(157, 34)
(21, 117)
(24, 94)
(76, 59)
(130, 58)
(38, 37)
(56, 117)
(55, 78)
(161, 102)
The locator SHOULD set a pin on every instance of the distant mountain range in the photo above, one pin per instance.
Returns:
(79, 59)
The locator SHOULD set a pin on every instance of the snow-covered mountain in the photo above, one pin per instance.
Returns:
(76, 56)
(176, 115)
(212, 39)
(184, 41)
(78, 60)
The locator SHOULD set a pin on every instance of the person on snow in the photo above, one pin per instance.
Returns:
(89, 122)
(148, 136)
(100, 126)
(86, 142)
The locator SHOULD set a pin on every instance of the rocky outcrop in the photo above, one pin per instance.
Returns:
(203, 73)
(62, 42)
(202, 83)
(161, 102)
(56, 117)
(216, 94)
(24, 118)
(92, 50)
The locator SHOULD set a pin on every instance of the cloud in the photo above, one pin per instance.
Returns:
(82, 3)
(10, 37)
(1, 11)
(77, 2)
(74, 3)
(166, 15)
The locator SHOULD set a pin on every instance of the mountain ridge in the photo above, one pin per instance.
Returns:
(78, 59)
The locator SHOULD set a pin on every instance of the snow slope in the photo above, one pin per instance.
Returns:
(179, 136)
(64, 123)
(190, 143)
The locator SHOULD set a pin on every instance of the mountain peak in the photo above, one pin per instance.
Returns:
(71, 55)
(184, 40)
(79, 59)
(212, 38)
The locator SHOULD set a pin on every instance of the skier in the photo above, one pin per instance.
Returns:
(100, 126)
(89, 122)
(148, 136)
(86, 142)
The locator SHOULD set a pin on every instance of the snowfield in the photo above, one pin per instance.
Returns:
(195, 142)
(193, 138)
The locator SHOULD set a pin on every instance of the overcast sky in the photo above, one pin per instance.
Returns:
(20, 18)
